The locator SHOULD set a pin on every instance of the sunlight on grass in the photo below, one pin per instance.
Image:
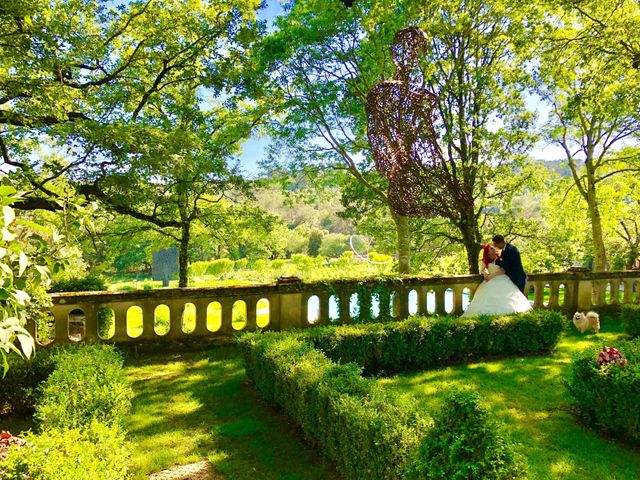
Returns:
(528, 394)
(194, 406)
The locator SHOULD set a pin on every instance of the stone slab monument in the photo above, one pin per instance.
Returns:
(164, 265)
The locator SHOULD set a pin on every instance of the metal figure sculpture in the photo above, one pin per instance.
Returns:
(401, 115)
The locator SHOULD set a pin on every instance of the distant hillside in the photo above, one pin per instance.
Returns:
(557, 166)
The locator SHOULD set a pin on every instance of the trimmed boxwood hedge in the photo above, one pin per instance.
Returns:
(376, 434)
(80, 409)
(421, 343)
(631, 319)
(608, 398)
(368, 432)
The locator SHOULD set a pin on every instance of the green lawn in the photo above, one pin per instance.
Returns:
(527, 394)
(192, 406)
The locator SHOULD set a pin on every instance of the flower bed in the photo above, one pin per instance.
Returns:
(605, 386)
(376, 434)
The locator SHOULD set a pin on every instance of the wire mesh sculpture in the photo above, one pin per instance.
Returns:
(401, 117)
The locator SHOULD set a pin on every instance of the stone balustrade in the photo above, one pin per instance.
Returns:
(189, 312)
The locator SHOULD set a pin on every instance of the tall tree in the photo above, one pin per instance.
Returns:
(121, 92)
(594, 103)
(326, 58)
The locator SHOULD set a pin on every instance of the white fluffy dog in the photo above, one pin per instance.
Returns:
(585, 322)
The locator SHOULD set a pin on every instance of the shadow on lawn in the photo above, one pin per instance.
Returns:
(199, 405)
(529, 396)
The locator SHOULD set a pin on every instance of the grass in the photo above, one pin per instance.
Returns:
(528, 394)
(193, 406)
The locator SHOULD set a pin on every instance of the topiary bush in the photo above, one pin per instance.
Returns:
(631, 319)
(367, 432)
(88, 384)
(97, 452)
(606, 397)
(423, 343)
(466, 443)
(20, 388)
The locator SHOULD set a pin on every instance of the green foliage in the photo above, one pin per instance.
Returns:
(366, 431)
(315, 242)
(89, 283)
(241, 264)
(215, 267)
(20, 388)
(424, 343)
(467, 443)
(87, 384)
(631, 319)
(607, 397)
(97, 452)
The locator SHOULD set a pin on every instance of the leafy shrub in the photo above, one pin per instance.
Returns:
(423, 343)
(87, 384)
(304, 262)
(631, 319)
(606, 397)
(90, 283)
(278, 264)
(260, 264)
(197, 269)
(219, 267)
(19, 389)
(241, 264)
(466, 443)
(368, 432)
(97, 452)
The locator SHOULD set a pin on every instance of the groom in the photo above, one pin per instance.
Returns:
(510, 261)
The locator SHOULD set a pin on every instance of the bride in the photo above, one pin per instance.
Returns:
(497, 294)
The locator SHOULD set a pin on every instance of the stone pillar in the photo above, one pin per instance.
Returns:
(90, 322)
(585, 290)
(290, 311)
(323, 318)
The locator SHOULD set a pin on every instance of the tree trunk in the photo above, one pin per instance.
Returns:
(471, 239)
(404, 243)
(183, 258)
(599, 252)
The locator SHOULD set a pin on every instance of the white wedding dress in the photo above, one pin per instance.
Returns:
(498, 296)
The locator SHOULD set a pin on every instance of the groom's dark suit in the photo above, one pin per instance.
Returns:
(510, 261)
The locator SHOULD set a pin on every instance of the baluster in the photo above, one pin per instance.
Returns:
(440, 310)
(554, 293)
(201, 317)
(323, 305)
(251, 304)
(343, 307)
(401, 301)
(457, 300)
(120, 322)
(148, 320)
(628, 291)
(226, 305)
(538, 295)
(422, 300)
